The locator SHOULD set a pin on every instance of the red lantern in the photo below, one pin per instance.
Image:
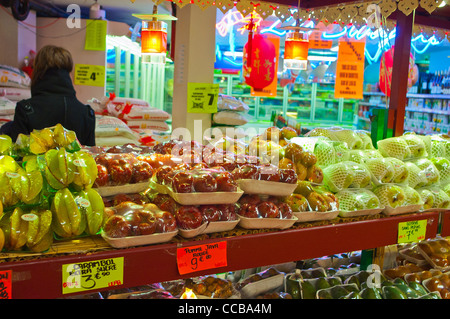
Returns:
(259, 62)
(386, 64)
(153, 37)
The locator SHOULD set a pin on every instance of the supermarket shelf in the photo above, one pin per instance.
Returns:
(428, 96)
(427, 111)
(156, 263)
(445, 223)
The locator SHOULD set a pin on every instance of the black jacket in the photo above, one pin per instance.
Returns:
(53, 100)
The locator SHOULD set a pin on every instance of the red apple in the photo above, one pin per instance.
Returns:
(225, 182)
(205, 182)
(183, 182)
(268, 210)
(285, 211)
(210, 213)
(188, 217)
(165, 222)
(116, 227)
(227, 212)
(249, 211)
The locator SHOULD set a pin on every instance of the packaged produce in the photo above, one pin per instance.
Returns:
(401, 172)
(412, 196)
(13, 77)
(338, 176)
(439, 284)
(416, 145)
(310, 287)
(27, 229)
(394, 147)
(260, 283)
(419, 277)
(382, 170)
(416, 177)
(442, 164)
(431, 172)
(436, 251)
(212, 287)
(401, 270)
(390, 195)
(354, 202)
(130, 224)
(438, 147)
(230, 103)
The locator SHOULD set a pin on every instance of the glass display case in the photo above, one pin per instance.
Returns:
(309, 102)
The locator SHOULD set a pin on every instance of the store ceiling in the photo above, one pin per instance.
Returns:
(116, 10)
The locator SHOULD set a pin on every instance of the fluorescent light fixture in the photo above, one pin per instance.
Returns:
(233, 54)
(322, 58)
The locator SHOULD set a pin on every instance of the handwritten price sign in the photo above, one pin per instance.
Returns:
(201, 257)
(412, 231)
(5, 284)
(92, 275)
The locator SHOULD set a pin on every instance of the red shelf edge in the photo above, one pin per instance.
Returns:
(42, 278)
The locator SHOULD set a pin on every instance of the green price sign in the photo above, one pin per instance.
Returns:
(412, 231)
(202, 97)
(90, 275)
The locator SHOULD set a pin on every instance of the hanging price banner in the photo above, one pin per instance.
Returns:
(5, 284)
(412, 231)
(92, 275)
(201, 257)
(93, 75)
(202, 97)
(350, 69)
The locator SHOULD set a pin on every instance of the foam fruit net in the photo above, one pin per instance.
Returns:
(400, 171)
(443, 166)
(394, 147)
(381, 169)
(412, 196)
(352, 199)
(416, 177)
(338, 176)
(390, 195)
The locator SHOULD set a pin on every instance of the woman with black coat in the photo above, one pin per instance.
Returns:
(53, 100)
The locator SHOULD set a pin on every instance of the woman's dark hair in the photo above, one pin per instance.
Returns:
(51, 57)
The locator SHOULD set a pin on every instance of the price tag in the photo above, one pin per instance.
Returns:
(92, 75)
(412, 231)
(202, 97)
(201, 257)
(5, 284)
(90, 275)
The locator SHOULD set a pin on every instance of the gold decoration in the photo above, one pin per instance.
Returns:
(430, 5)
(319, 14)
(387, 7)
(282, 13)
(203, 4)
(224, 5)
(182, 3)
(245, 7)
(333, 14)
(408, 6)
(264, 10)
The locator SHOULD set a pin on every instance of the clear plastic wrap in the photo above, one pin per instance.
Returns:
(412, 196)
(366, 139)
(362, 177)
(255, 206)
(394, 147)
(27, 229)
(440, 198)
(130, 219)
(357, 199)
(338, 176)
(427, 198)
(416, 176)
(382, 170)
(443, 166)
(416, 145)
(431, 172)
(401, 172)
(390, 195)
(230, 103)
(310, 198)
(438, 148)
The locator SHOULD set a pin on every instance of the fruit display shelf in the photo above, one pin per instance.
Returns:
(40, 275)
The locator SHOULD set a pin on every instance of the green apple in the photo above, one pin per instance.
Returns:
(390, 195)
(427, 198)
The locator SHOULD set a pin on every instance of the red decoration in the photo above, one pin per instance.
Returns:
(386, 64)
(154, 37)
(259, 62)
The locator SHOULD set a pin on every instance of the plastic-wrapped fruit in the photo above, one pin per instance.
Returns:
(338, 176)
(390, 195)
(59, 170)
(68, 219)
(26, 186)
(431, 172)
(297, 202)
(441, 198)
(394, 147)
(416, 176)
(362, 175)
(84, 170)
(349, 137)
(91, 204)
(427, 198)
(382, 170)
(437, 147)
(401, 173)
(366, 139)
(416, 145)
(412, 196)
(443, 166)
(356, 199)
(188, 217)
(325, 153)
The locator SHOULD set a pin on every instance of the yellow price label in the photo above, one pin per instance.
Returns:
(412, 231)
(91, 275)
(202, 97)
(86, 74)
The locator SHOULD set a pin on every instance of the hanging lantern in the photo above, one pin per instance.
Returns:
(153, 37)
(259, 62)
(386, 64)
(296, 50)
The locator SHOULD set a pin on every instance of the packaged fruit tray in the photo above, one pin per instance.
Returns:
(260, 283)
(253, 186)
(362, 212)
(209, 227)
(390, 211)
(140, 240)
(106, 191)
(437, 252)
(266, 222)
(315, 216)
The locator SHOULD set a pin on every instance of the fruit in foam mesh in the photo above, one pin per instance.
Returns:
(427, 197)
(412, 196)
(415, 144)
(431, 172)
(381, 169)
(390, 195)
(401, 173)
(338, 176)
